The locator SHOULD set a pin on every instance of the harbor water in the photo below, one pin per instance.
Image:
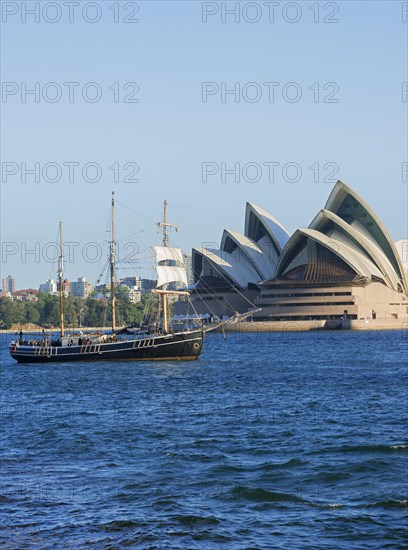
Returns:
(269, 440)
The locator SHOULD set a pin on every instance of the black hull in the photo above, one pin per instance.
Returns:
(182, 346)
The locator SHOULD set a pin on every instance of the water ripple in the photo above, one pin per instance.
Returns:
(301, 445)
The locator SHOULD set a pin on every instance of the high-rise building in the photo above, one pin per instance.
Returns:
(133, 293)
(9, 284)
(49, 287)
(81, 288)
(65, 287)
(146, 285)
(188, 262)
(131, 282)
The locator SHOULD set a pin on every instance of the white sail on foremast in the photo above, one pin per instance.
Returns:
(167, 274)
(164, 253)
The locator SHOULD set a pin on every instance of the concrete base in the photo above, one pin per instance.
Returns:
(375, 324)
(293, 326)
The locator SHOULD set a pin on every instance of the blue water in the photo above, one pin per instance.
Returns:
(282, 440)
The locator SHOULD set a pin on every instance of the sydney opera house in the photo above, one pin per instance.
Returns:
(344, 270)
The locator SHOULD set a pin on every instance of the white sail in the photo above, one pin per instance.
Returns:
(169, 274)
(168, 253)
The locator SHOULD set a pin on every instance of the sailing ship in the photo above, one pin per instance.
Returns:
(159, 343)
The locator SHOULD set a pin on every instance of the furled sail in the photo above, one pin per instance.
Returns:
(169, 274)
(168, 253)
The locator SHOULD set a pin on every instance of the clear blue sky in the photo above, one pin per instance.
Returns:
(170, 131)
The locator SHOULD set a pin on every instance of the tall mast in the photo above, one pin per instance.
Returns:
(112, 262)
(165, 225)
(165, 243)
(167, 272)
(60, 274)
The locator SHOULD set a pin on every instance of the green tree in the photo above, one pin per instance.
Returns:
(50, 311)
(32, 315)
(94, 313)
(78, 312)
(8, 314)
(71, 307)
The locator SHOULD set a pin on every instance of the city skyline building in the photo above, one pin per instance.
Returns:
(81, 288)
(49, 287)
(188, 262)
(9, 284)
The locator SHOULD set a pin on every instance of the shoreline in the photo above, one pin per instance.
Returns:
(257, 326)
(328, 325)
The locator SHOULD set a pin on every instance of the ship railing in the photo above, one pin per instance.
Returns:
(147, 342)
(91, 348)
(45, 351)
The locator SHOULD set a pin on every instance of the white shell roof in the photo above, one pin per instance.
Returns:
(336, 197)
(273, 226)
(373, 252)
(241, 272)
(357, 261)
(367, 248)
(251, 251)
